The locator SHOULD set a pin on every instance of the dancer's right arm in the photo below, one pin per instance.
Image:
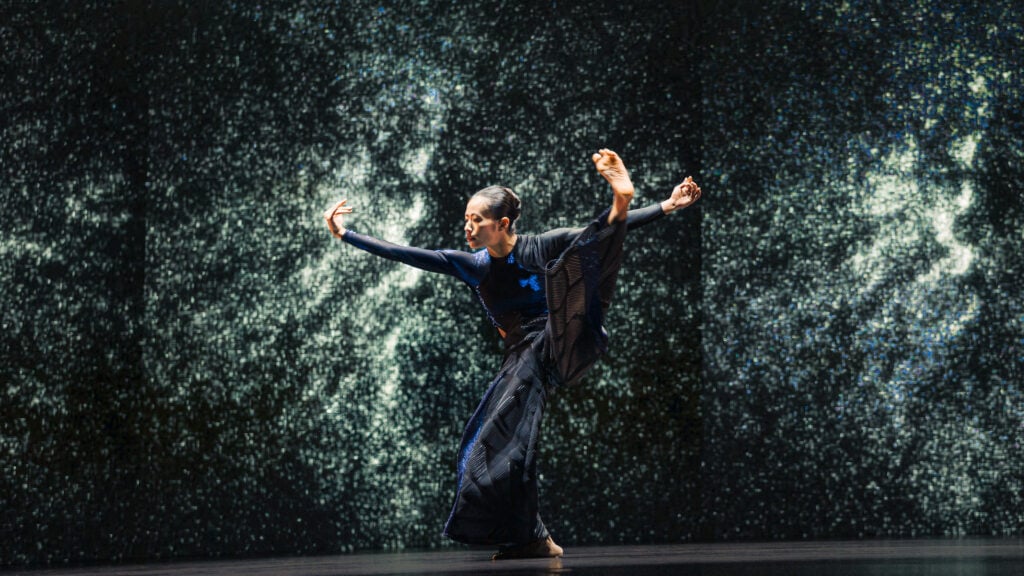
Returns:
(444, 261)
(459, 264)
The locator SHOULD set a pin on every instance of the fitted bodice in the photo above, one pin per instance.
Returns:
(510, 293)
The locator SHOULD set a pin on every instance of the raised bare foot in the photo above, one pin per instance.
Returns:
(610, 166)
(537, 549)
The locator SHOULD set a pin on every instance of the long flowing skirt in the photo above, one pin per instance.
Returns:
(496, 498)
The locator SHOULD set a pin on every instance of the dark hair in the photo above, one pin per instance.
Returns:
(501, 203)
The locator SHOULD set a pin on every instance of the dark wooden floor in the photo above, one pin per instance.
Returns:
(962, 557)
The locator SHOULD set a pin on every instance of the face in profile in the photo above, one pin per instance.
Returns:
(481, 229)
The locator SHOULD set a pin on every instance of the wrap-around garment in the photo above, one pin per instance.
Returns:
(548, 296)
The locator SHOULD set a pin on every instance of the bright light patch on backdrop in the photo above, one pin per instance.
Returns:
(831, 344)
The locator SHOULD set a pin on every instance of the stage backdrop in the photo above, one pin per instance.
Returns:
(831, 344)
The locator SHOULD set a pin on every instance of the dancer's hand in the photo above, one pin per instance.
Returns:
(333, 216)
(682, 196)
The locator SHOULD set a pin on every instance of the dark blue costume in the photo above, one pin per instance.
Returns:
(548, 296)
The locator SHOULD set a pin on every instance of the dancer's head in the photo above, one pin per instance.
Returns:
(491, 215)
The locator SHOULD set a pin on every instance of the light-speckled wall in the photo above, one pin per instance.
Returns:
(831, 344)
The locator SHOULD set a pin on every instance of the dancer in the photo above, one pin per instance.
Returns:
(546, 295)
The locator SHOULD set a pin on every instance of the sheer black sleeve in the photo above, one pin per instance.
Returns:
(540, 249)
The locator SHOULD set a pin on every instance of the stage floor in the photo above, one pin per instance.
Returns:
(962, 557)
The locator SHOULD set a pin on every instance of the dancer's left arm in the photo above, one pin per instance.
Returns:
(683, 195)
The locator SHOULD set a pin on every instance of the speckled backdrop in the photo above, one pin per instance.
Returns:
(830, 345)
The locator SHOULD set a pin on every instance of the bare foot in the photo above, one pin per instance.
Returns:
(610, 166)
(537, 549)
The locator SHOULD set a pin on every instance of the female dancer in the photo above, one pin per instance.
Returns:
(546, 295)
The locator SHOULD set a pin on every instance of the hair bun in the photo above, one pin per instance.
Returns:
(502, 202)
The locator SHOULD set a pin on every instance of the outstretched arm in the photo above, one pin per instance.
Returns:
(457, 264)
(643, 216)
(553, 242)
(610, 165)
(682, 196)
